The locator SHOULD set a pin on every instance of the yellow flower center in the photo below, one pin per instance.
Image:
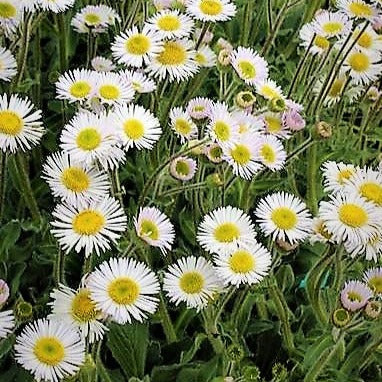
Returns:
(7, 10)
(352, 215)
(80, 89)
(191, 282)
(92, 19)
(124, 291)
(284, 218)
(336, 88)
(360, 9)
(274, 124)
(149, 229)
(321, 229)
(138, 45)
(268, 92)
(359, 62)
(321, 42)
(109, 92)
(83, 308)
(199, 109)
(226, 232)
(241, 262)
(134, 128)
(222, 131)
(332, 27)
(365, 40)
(182, 168)
(169, 23)
(88, 222)
(10, 123)
(241, 154)
(268, 153)
(345, 175)
(216, 152)
(49, 351)
(200, 59)
(372, 192)
(247, 69)
(211, 7)
(375, 283)
(354, 296)
(182, 126)
(173, 54)
(75, 179)
(88, 139)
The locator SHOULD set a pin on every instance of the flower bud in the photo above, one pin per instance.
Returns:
(214, 153)
(251, 374)
(235, 352)
(23, 310)
(245, 99)
(277, 104)
(324, 130)
(4, 292)
(293, 120)
(373, 309)
(286, 246)
(196, 150)
(224, 57)
(341, 317)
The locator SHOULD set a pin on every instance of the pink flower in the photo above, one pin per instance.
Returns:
(292, 120)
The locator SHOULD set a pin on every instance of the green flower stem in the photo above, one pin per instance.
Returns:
(212, 331)
(312, 172)
(88, 265)
(203, 32)
(62, 40)
(167, 324)
(339, 269)
(3, 181)
(59, 267)
(269, 16)
(246, 22)
(194, 186)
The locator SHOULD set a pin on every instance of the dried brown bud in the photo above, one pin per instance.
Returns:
(324, 130)
(285, 246)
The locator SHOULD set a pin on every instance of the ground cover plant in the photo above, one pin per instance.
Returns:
(190, 190)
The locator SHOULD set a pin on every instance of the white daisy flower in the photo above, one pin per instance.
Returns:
(182, 124)
(74, 182)
(371, 249)
(319, 232)
(271, 152)
(242, 156)
(366, 41)
(50, 350)
(269, 90)
(355, 295)
(351, 217)
(373, 278)
(8, 65)
(56, 6)
(225, 229)
(30, 5)
(7, 323)
(357, 9)
(335, 93)
(92, 227)
(77, 85)
(135, 48)
(332, 24)
(136, 127)
(193, 281)
(211, 10)
(183, 168)
(102, 64)
(248, 123)
(20, 127)
(176, 61)
(274, 125)
(155, 228)
(11, 12)
(124, 289)
(171, 24)
(336, 175)
(205, 57)
(311, 37)
(283, 216)
(139, 81)
(76, 308)
(199, 107)
(249, 65)
(245, 265)
(111, 89)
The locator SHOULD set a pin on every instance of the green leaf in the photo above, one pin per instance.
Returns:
(9, 234)
(316, 349)
(6, 345)
(285, 277)
(187, 356)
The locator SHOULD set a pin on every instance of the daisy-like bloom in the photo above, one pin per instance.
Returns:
(162, 4)
(50, 350)
(332, 24)
(249, 65)
(274, 125)
(245, 99)
(4, 292)
(320, 232)
(373, 278)
(89, 138)
(357, 9)
(10, 15)
(367, 183)
(248, 123)
(20, 127)
(183, 168)
(355, 295)
(135, 48)
(368, 40)
(93, 18)
(75, 307)
(269, 89)
(136, 127)
(350, 217)
(76, 86)
(363, 67)
(191, 280)
(102, 64)
(56, 6)
(214, 153)
(155, 228)
(335, 92)
(311, 37)
(293, 120)
(242, 156)
(205, 57)
(176, 61)
(271, 152)
(182, 124)
(223, 127)
(112, 90)
(373, 94)
(245, 265)
(8, 65)
(371, 249)
(124, 289)
(336, 175)
(211, 10)
(171, 24)
(7, 323)
(284, 216)
(30, 5)
(92, 227)
(139, 81)
(199, 107)
(225, 229)
(74, 182)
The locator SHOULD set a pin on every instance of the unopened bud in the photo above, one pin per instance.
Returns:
(4, 292)
(373, 309)
(224, 57)
(324, 130)
(23, 310)
(245, 99)
(251, 374)
(198, 150)
(214, 153)
(341, 317)
(235, 352)
(277, 104)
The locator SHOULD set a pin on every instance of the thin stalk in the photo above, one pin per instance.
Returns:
(59, 267)
(3, 181)
(62, 41)
(167, 324)
(312, 172)
(195, 186)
